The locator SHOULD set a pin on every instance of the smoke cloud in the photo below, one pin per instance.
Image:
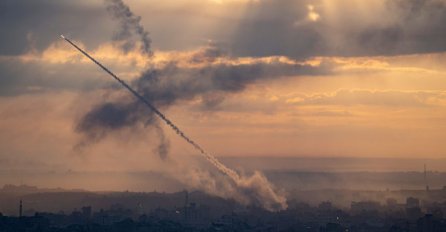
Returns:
(131, 31)
(172, 84)
(163, 87)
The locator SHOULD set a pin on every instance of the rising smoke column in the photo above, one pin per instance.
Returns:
(130, 27)
(112, 116)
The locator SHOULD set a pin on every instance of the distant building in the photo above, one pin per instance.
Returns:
(332, 227)
(20, 209)
(413, 209)
(365, 206)
(428, 224)
(412, 202)
(86, 212)
(391, 202)
(325, 206)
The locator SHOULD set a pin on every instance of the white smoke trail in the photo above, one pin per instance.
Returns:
(256, 185)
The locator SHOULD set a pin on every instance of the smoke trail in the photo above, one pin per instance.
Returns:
(163, 147)
(177, 130)
(130, 26)
(244, 183)
(132, 34)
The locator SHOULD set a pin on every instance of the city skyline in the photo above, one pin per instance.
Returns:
(333, 80)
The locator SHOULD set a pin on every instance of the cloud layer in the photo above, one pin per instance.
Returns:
(341, 28)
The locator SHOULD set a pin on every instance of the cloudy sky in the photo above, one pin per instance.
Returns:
(295, 78)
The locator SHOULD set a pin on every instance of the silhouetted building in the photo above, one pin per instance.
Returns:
(429, 224)
(391, 202)
(412, 202)
(332, 227)
(20, 209)
(86, 212)
(216, 214)
(413, 209)
(365, 206)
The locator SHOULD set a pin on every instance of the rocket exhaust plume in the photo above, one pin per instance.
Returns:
(232, 174)
(261, 189)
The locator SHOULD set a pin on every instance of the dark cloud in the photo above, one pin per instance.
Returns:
(422, 22)
(35, 25)
(19, 77)
(281, 27)
(209, 53)
(378, 41)
(269, 28)
(109, 116)
(38, 23)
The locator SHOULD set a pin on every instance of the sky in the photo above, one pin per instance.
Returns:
(274, 78)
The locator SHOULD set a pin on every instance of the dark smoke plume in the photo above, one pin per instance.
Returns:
(109, 116)
(167, 86)
(163, 87)
(131, 31)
